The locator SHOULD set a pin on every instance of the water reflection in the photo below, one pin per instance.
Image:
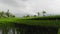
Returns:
(8, 31)
(0, 31)
(28, 29)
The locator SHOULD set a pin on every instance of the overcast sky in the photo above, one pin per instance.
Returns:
(23, 7)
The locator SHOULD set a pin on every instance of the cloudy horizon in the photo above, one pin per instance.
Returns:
(24, 7)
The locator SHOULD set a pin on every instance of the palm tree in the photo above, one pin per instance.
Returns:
(2, 14)
(38, 13)
(7, 13)
(44, 13)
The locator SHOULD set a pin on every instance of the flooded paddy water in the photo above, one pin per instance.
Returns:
(16, 28)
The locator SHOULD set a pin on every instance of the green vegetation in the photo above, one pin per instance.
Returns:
(59, 31)
(6, 14)
(45, 24)
(28, 21)
(9, 22)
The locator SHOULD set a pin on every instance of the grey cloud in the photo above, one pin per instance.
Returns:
(29, 6)
(24, 0)
(10, 2)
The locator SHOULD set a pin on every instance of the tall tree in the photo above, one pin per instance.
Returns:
(2, 13)
(38, 13)
(44, 12)
(7, 13)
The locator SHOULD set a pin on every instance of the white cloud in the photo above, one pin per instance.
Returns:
(22, 7)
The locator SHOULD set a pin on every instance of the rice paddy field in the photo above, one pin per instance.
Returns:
(41, 21)
(37, 21)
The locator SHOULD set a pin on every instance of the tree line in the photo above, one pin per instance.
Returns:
(6, 14)
(38, 14)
